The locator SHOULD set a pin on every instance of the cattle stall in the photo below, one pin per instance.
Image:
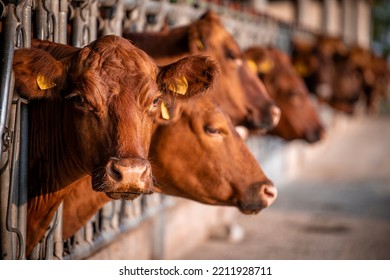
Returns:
(78, 22)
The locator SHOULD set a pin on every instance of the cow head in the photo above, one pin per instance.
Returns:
(104, 99)
(201, 157)
(375, 76)
(241, 95)
(347, 84)
(299, 119)
(315, 65)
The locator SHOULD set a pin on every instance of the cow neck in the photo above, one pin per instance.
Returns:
(163, 46)
(52, 164)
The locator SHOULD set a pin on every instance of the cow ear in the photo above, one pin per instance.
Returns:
(196, 43)
(38, 75)
(186, 78)
(169, 112)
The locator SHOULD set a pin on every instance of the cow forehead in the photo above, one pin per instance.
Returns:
(215, 35)
(112, 67)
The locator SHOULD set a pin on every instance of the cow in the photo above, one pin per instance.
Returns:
(198, 156)
(238, 91)
(299, 118)
(329, 72)
(375, 74)
(91, 111)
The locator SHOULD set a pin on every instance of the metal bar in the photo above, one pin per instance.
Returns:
(41, 20)
(80, 27)
(7, 55)
(57, 238)
(12, 207)
(7, 46)
(23, 166)
(63, 21)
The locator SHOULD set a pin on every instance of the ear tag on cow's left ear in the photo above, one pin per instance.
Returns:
(301, 68)
(265, 66)
(252, 65)
(180, 86)
(44, 83)
(199, 45)
(164, 111)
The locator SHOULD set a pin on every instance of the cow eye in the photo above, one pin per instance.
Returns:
(231, 55)
(156, 100)
(78, 100)
(211, 130)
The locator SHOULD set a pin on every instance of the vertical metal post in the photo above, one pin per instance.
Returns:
(84, 25)
(114, 14)
(23, 166)
(62, 21)
(41, 20)
(7, 46)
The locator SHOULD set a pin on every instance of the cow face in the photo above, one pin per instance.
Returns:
(241, 95)
(202, 158)
(347, 84)
(299, 119)
(315, 66)
(375, 76)
(108, 94)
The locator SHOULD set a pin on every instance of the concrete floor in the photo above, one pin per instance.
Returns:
(337, 207)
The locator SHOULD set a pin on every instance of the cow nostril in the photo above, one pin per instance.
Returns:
(275, 113)
(268, 193)
(114, 172)
(242, 131)
(145, 174)
(315, 135)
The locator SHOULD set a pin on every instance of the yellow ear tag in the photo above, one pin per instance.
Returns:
(199, 44)
(180, 86)
(44, 83)
(252, 65)
(265, 66)
(301, 68)
(164, 111)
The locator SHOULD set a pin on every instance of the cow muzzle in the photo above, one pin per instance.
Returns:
(128, 178)
(258, 197)
(315, 135)
(264, 119)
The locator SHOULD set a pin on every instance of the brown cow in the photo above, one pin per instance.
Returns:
(199, 156)
(329, 72)
(242, 96)
(91, 112)
(299, 119)
(375, 74)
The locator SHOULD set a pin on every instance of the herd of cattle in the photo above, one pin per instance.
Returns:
(158, 112)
